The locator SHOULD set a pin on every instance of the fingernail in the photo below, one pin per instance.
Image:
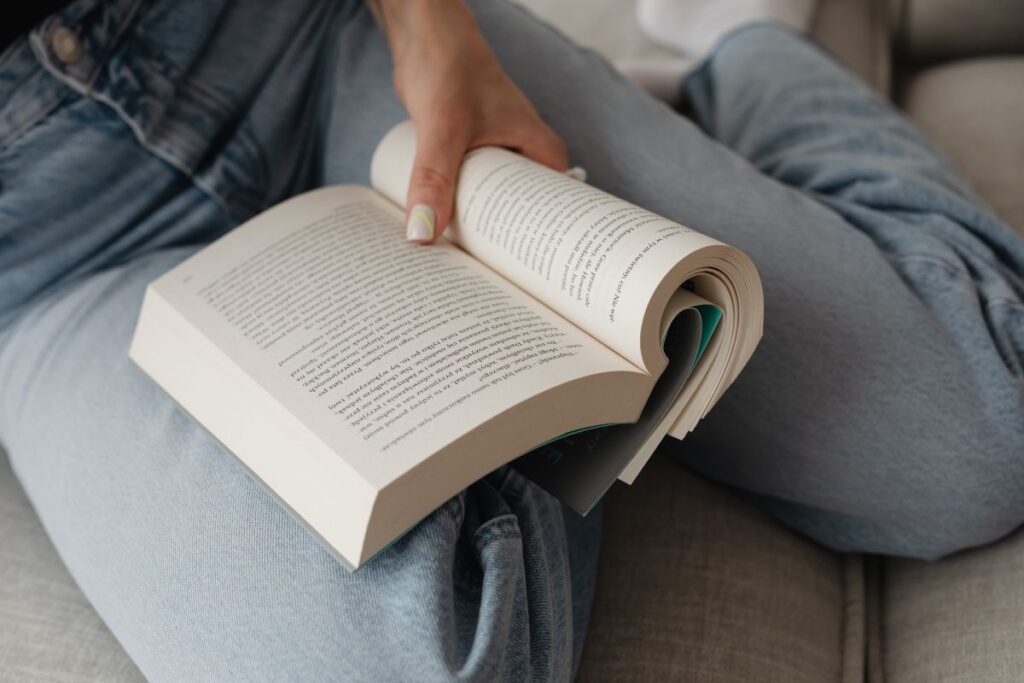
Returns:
(421, 224)
(577, 173)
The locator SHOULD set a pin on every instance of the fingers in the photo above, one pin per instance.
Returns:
(431, 196)
(543, 145)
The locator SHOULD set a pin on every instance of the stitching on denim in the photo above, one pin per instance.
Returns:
(216, 102)
(57, 99)
(28, 77)
(486, 539)
(31, 123)
(157, 150)
(126, 22)
(140, 136)
(500, 527)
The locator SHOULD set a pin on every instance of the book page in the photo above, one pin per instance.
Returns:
(579, 468)
(605, 264)
(387, 350)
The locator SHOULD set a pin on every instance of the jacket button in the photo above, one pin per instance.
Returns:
(66, 45)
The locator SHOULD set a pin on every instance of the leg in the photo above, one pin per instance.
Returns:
(954, 451)
(202, 575)
(893, 419)
(196, 569)
(133, 523)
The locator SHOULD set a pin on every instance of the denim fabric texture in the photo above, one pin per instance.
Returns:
(884, 410)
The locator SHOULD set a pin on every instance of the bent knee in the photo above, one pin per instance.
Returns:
(955, 507)
(961, 525)
(919, 505)
(967, 492)
(949, 527)
(961, 500)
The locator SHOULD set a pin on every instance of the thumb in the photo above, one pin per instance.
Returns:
(431, 196)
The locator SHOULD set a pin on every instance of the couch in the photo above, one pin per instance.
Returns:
(694, 583)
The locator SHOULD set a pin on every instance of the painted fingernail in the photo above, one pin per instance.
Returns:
(420, 227)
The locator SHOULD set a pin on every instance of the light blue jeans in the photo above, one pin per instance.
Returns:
(884, 410)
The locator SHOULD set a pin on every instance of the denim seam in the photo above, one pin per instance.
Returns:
(46, 110)
(126, 23)
(492, 534)
(140, 136)
(153, 149)
(86, 90)
(247, 138)
(484, 540)
(29, 124)
(8, 54)
(497, 528)
(108, 45)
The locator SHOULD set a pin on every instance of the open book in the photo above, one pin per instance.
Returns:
(365, 379)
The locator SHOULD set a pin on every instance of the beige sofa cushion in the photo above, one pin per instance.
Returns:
(696, 585)
(961, 619)
(48, 631)
(865, 50)
(973, 110)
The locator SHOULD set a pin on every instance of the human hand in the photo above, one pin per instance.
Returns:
(458, 98)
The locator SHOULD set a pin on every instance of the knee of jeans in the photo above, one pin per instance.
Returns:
(962, 505)
(922, 505)
(968, 532)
